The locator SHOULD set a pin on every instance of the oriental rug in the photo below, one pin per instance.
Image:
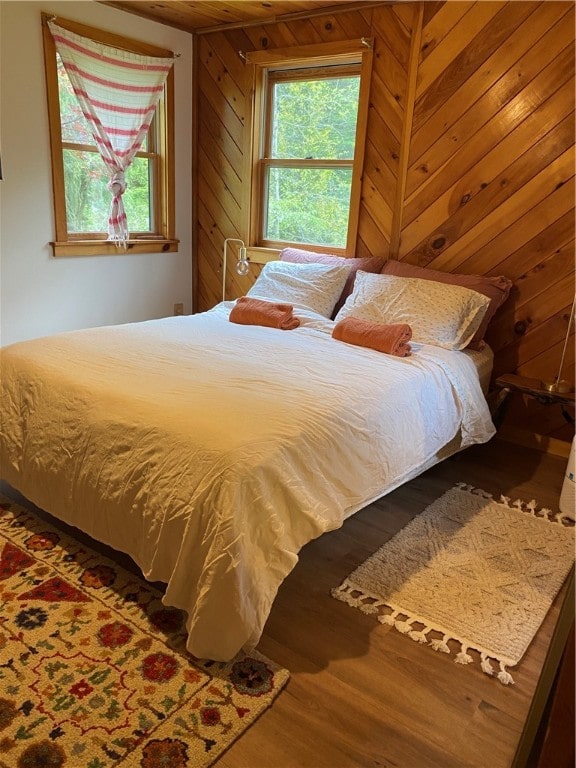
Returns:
(93, 667)
(468, 572)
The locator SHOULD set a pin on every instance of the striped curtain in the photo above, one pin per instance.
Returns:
(118, 92)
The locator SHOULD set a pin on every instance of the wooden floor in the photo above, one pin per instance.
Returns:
(360, 693)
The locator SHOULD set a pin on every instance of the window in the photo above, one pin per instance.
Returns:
(81, 197)
(308, 129)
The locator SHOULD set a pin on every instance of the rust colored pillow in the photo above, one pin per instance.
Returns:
(496, 288)
(372, 264)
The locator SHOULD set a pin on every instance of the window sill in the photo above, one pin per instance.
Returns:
(106, 248)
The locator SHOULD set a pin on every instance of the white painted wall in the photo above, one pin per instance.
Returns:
(40, 294)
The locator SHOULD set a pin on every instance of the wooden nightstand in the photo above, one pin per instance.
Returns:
(510, 382)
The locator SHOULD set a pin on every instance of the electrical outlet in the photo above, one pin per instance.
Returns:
(179, 309)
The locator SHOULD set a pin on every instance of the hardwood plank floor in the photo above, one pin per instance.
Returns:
(361, 694)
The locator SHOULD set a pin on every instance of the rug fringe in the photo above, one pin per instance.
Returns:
(349, 593)
(474, 490)
(504, 676)
(530, 507)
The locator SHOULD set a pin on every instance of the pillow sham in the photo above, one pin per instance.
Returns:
(496, 288)
(311, 286)
(366, 264)
(446, 316)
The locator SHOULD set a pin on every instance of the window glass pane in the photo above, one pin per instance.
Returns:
(308, 205)
(74, 124)
(88, 199)
(315, 118)
(138, 195)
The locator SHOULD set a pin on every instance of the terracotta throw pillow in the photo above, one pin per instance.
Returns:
(372, 264)
(496, 288)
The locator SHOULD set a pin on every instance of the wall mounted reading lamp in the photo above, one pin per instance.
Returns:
(242, 265)
(558, 384)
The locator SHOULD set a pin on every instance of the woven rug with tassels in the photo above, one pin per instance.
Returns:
(93, 667)
(469, 574)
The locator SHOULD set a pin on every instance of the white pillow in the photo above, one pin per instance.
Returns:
(309, 286)
(444, 315)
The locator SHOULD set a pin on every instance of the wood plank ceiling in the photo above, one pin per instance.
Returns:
(204, 15)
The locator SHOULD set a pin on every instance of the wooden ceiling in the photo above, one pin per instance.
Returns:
(211, 15)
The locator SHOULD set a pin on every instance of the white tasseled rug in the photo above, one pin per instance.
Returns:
(471, 572)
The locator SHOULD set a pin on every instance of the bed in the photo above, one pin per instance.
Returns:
(211, 452)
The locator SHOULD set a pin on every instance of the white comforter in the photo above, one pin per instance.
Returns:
(212, 452)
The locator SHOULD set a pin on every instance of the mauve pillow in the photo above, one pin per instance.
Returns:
(372, 264)
(496, 288)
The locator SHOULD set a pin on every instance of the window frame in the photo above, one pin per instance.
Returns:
(312, 58)
(163, 190)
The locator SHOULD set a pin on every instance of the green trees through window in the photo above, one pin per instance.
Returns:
(310, 152)
(315, 118)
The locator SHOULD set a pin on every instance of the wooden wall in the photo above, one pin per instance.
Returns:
(469, 163)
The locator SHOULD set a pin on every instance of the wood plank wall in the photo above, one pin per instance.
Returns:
(469, 163)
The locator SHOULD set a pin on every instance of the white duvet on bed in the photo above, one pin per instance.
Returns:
(212, 452)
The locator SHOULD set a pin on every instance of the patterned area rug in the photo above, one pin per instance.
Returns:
(469, 570)
(93, 668)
